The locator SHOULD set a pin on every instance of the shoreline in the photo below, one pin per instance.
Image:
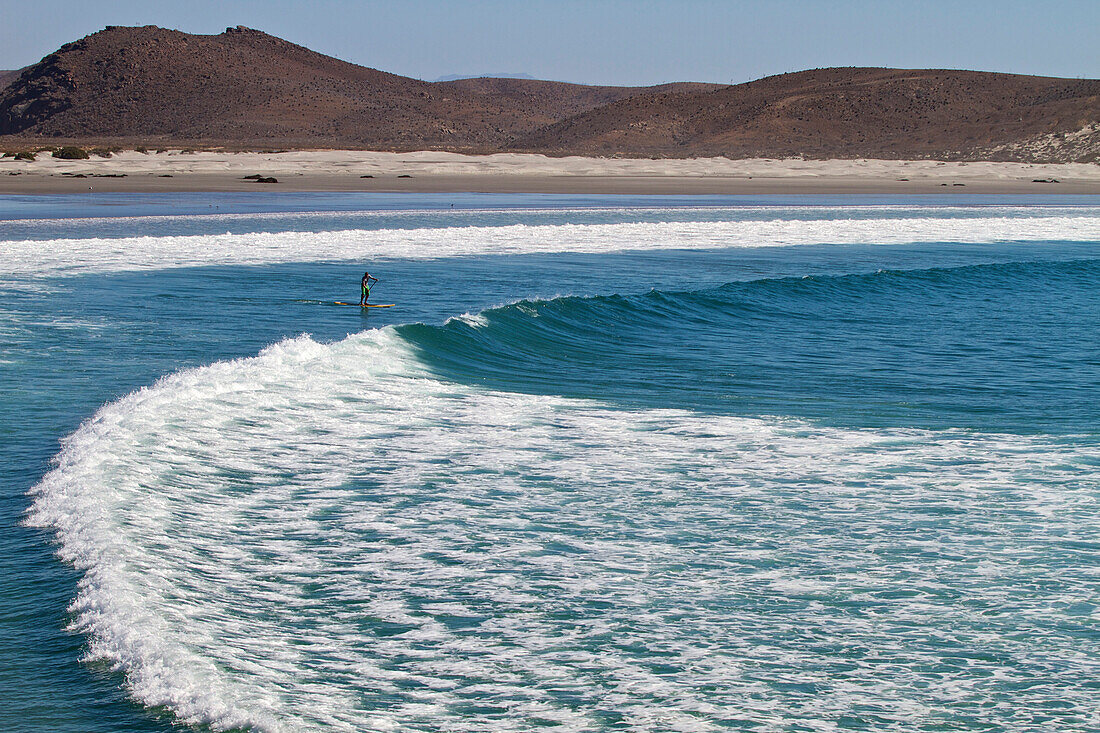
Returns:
(438, 172)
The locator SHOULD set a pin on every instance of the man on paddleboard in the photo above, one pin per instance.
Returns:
(367, 281)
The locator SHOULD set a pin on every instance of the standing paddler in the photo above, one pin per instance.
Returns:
(367, 282)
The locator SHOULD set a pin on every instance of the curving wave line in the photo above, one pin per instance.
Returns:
(29, 258)
(731, 344)
(329, 537)
(343, 220)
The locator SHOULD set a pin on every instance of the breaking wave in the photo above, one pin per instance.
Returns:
(79, 256)
(336, 537)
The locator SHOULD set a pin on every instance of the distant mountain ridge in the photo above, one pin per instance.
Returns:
(245, 89)
(7, 77)
(496, 75)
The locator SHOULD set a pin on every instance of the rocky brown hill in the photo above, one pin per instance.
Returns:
(540, 103)
(244, 88)
(851, 112)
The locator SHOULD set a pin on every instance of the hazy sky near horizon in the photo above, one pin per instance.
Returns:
(611, 41)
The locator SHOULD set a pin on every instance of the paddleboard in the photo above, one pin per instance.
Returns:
(369, 305)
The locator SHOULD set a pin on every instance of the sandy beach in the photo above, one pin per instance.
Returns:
(350, 170)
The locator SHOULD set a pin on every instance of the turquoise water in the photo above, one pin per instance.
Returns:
(611, 464)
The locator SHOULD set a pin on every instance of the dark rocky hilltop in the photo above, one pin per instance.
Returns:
(246, 89)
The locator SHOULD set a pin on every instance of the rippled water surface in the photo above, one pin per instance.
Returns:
(609, 464)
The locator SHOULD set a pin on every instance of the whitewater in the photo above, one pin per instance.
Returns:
(105, 254)
(759, 468)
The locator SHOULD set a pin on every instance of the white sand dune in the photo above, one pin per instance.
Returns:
(430, 170)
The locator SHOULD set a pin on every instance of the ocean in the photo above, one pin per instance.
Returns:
(610, 463)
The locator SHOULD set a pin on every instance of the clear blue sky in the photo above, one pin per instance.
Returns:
(611, 41)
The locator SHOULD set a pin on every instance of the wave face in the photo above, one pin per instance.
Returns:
(998, 347)
(332, 537)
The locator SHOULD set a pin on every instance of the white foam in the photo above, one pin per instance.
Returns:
(459, 215)
(326, 537)
(473, 320)
(28, 258)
